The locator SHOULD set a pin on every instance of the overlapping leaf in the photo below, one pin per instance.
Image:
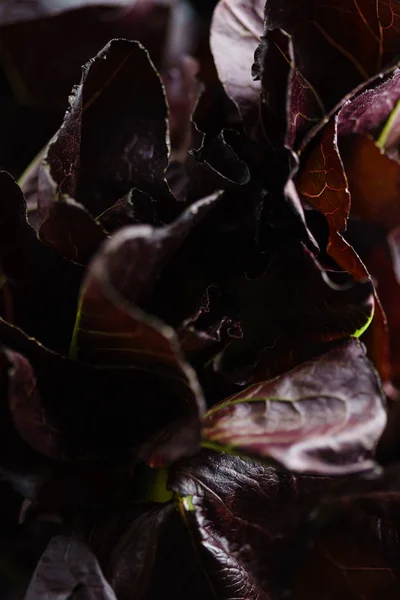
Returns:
(345, 164)
(280, 314)
(111, 332)
(68, 570)
(290, 105)
(245, 520)
(351, 43)
(107, 118)
(44, 78)
(356, 551)
(39, 288)
(145, 548)
(238, 25)
(325, 416)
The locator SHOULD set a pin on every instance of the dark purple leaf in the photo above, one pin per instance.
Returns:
(128, 547)
(290, 106)
(283, 316)
(325, 416)
(145, 549)
(323, 183)
(351, 43)
(245, 519)
(82, 412)
(110, 142)
(356, 551)
(39, 288)
(26, 407)
(112, 332)
(215, 252)
(68, 570)
(43, 78)
(368, 111)
(323, 179)
(304, 107)
(128, 266)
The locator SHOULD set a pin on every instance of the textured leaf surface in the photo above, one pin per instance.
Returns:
(325, 416)
(112, 140)
(352, 41)
(245, 520)
(368, 111)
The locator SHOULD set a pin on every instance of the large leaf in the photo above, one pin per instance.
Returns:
(68, 570)
(322, 183)
(112, 332)
(39, 288)
(284, 317)
(323, 178)
(276, 102)
(325, 416)
(67, 410)
(245, 520)
(122, 275)
(111, 141)
(360, 171)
